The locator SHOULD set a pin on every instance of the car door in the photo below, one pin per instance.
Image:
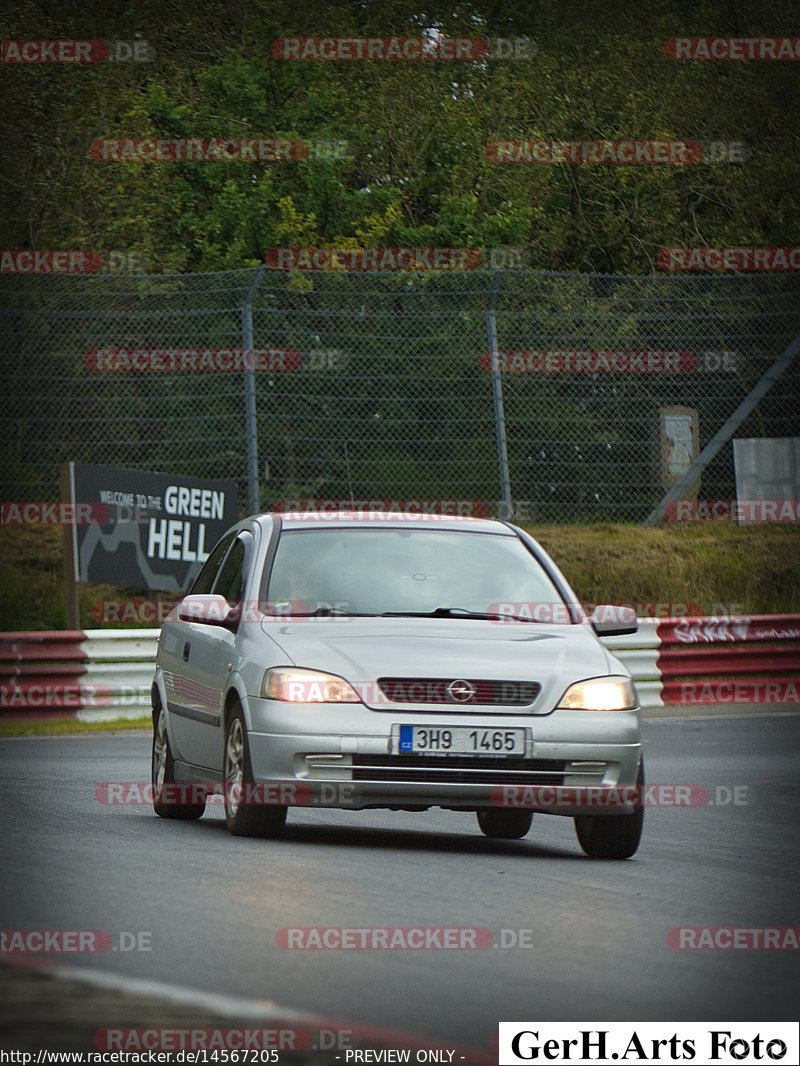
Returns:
(191, 654)
(210, 656)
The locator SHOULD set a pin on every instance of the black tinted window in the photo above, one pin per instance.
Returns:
(205, 579)
(230, 582)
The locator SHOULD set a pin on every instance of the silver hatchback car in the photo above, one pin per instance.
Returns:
(368, 660)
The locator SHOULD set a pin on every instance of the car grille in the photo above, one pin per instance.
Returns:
(456, 691)
(457, 769)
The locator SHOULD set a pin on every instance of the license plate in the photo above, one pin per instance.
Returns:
(460, 740)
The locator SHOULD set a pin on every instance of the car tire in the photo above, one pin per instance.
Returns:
(612, 836)
(162, 774)
(504, 823)
(245, 819)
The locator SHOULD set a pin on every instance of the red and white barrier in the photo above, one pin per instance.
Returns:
(103, 674)
(736, 660)
(89, 675)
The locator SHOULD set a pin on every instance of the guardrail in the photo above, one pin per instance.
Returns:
(91, 675)
(683, 662)
(104, 674)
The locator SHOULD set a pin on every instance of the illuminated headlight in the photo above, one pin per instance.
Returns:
(307, 686)
(600, 694)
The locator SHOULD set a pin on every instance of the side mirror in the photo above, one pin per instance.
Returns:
(608, 620)
(212, 610)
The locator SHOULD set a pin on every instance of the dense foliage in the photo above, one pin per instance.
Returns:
(415, 169)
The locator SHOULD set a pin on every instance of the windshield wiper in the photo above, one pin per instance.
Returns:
(327, 612)
(457, 612)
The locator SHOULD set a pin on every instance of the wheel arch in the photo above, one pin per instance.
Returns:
(234, 695)
(158, 699)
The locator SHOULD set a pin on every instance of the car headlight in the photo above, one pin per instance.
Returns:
(600, 694)
(307, 686)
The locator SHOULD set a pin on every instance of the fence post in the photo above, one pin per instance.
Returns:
(758, 392)
(251, 435)
(497, 401)
(69, 549)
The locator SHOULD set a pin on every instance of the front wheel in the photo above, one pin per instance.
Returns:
(166, 792)
(504, 823)
(244, 816)
(612, 836)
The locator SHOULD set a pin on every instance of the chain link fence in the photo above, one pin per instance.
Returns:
(383, 386)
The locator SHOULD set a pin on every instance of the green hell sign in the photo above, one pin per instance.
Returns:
(146, 530)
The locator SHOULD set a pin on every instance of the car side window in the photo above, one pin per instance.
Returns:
(205, 579)
(231, 579)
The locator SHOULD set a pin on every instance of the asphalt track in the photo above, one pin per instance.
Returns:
(573, 938)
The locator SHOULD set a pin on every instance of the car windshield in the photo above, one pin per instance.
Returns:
(403, 571)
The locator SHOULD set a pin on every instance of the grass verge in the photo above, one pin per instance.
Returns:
(719, 567)
(55, 726)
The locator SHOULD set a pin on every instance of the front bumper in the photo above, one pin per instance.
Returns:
(576, 762)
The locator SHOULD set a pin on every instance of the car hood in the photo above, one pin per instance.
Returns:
(362, 650)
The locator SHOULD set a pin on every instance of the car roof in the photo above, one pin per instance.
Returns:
(383, 519)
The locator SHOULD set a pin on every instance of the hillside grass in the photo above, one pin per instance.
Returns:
(721, 568)
(718, 567)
